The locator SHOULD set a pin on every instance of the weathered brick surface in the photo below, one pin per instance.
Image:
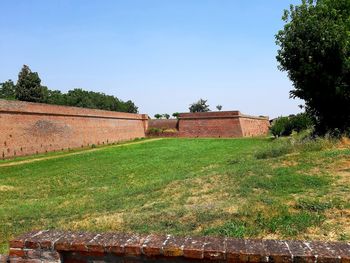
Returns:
(119, 247)
(3, 258)
(215, 248)
(153, 246)
(194, 247)
(221, 124)
(163, 124)
(29, 128)
(173, 247)
(254, 126)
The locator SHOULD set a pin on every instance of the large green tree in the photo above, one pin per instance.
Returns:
(315, 51)
(28, 87)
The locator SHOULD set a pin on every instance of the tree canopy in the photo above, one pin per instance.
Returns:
(8, 90)
(199, 106)
(315, 52)
(29, 88)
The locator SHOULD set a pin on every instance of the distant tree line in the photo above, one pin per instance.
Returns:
(29, 88)
(199, 106)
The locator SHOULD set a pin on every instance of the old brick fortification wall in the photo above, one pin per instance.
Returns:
(29, 128)
(221, 124)
(57, 246)
(163, 124)
(254, 126)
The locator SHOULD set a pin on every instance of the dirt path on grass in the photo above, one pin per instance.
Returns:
(14, 163)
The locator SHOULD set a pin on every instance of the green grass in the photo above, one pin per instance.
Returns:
(182, 187)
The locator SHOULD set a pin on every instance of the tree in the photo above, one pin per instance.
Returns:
(176, 115)
(130, 107)
(7, 90)
(79, 98)
(315, 52)
(300, 122)
(28, 87)
(55, 97)
(166, 116)
(158, 116)
(199, 106)
(219, 107)
(278, 127)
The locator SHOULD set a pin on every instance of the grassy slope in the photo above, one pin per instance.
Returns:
(181, 186)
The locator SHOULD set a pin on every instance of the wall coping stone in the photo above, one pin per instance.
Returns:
(168, 247)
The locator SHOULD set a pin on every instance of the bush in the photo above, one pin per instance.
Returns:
(284, 126)
(301, 122)
(297, 143)
(275, 150)
(279, 126)
(155, 131)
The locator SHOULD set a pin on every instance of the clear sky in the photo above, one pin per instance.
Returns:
(162, 54)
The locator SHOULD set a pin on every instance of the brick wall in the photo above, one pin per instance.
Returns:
(163, 124)
(29, 128)
(221, 124)
(56, 246)
(254, 126)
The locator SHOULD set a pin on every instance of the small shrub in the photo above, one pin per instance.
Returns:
(318, 144)
(276, 149)
(297, 143)
(155, 131)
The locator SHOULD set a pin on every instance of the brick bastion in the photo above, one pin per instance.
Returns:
(57, 246)
(30, 128)
(222, 124)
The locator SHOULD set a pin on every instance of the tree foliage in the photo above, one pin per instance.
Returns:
(7, 90)
(29, 88)
(158, 116)
(315, 51)
(279, 126)
(199, 106)
(219, 107)
(166, 116)
(284, 126)
(176, 115)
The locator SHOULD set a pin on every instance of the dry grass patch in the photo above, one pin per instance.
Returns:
(6, 188)
(102, 222)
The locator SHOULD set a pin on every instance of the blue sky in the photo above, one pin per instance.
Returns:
(162, 54)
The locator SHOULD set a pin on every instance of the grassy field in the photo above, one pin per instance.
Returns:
(223, 187)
